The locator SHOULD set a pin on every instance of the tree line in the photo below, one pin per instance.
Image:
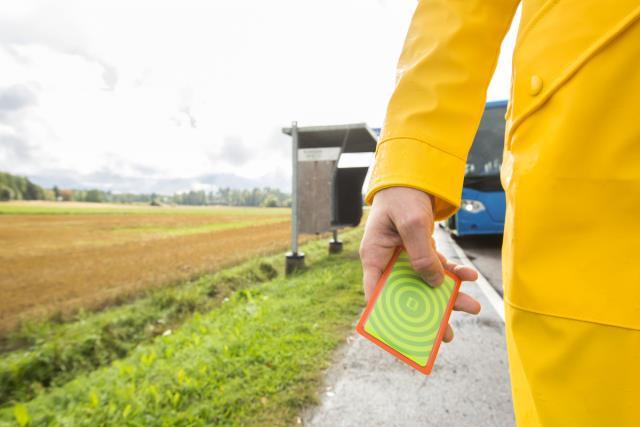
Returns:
(14, 187)
(21, 188)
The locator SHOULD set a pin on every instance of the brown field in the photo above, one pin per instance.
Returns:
(56, 258)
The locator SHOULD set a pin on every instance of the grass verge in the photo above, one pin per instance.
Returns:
(49, 353)
(254, 360)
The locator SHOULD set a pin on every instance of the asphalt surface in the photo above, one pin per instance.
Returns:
(469, 385)
(484, 253)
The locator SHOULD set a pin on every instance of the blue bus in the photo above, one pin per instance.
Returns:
(483, 201)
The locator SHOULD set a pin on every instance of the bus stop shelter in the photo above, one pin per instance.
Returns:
(326, 195)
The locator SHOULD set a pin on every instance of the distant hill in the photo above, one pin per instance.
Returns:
(110, 180)
(13, 187)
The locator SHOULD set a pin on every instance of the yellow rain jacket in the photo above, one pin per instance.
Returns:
(571, 172)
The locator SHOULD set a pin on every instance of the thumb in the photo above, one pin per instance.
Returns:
(415, 232)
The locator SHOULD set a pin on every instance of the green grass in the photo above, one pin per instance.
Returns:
(8, 208)
(254, 359)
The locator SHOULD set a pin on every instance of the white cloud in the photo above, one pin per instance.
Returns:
(148, 88)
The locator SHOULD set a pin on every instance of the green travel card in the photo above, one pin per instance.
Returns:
(406, 316)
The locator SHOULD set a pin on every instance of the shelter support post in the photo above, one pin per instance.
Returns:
(335, 245)
(294, 260)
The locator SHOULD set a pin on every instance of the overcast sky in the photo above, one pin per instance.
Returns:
(178, 94)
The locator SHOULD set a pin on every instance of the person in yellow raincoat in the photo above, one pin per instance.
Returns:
(571, 173)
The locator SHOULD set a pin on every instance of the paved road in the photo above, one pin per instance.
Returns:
(484, 253)
(469, 385)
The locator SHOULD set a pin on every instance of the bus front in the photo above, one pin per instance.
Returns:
(483, 201)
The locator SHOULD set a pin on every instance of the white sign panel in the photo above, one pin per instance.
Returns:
(318, 154)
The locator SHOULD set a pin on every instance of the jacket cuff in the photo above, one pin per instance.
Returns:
(407, 162)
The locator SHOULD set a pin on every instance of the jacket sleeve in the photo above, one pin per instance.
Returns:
(446, 64)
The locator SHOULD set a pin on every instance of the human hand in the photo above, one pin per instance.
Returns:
(404, 216)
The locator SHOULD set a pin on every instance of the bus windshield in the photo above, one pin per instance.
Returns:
(485, 156)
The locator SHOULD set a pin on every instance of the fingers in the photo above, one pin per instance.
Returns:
(370, 276)
(448, 334)
(374, 259)
(466, 303)
(465, 273)
(463, 303)
(414, 230)
(376, 249)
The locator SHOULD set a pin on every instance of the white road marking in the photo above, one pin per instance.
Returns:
(484, 285)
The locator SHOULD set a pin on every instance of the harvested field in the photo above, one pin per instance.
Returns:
(57, 258)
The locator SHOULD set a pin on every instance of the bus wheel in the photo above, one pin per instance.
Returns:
(451, 223)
